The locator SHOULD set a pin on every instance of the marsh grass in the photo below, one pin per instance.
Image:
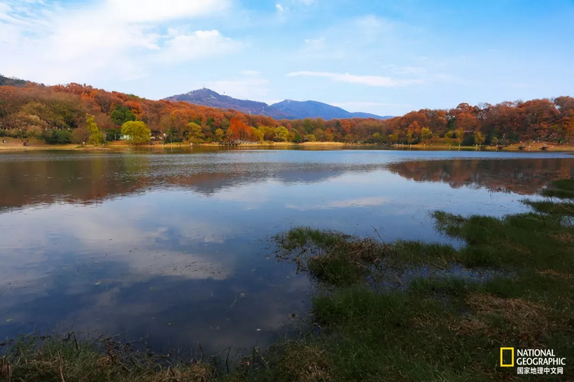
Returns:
(444, 328)
(562, 189)
(57, 358)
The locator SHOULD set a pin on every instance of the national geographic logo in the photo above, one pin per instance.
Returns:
(508, 355)
(532, 361)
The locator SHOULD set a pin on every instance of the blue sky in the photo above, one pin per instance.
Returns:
(384, 57)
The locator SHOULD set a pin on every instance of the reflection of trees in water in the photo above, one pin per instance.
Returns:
(70, 181)
(94, 179)
(522, 176)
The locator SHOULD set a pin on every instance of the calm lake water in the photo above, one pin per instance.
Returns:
(174, 246)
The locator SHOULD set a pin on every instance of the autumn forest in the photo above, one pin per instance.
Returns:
(79, 113)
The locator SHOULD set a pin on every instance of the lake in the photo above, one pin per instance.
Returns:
(173, 247)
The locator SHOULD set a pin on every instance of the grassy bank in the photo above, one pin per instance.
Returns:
(534, 147)
(35, 144)
(13, 144)
(402, 311)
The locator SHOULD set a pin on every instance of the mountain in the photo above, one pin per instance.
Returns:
(287, 109)
(207, 97)
(314, 109)
(5, 81)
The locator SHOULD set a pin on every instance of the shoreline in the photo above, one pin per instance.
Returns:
(13, 145)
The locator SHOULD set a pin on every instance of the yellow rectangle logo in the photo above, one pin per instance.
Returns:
(502, 364)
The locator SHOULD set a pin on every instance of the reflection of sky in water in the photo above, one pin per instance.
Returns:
(187, 258)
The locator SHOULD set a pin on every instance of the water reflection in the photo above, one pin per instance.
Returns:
(45, 178)
(522, 176)
(175, 247)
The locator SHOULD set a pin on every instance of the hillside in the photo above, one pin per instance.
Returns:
(314, 109)
(5, 81)
(287, 109)
(207, 97)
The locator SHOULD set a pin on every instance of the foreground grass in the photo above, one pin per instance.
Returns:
(512, 284)
(403, 311)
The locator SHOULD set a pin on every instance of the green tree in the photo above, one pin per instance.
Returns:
(56, 136)
(297, 138)
(281, 134)
(96, 135)
(258, 134)
(426, 134)
(310, 138)
(459, 135)
(219, 134)
(121, 115)
(194, 132)
(137, 131)
(478, 138)
(449, 138)
(308, 125)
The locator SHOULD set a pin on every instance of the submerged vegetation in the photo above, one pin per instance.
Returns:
(403, 311)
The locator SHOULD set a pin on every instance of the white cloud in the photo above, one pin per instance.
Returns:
(114, 39)
(377, 81)
(280, 8)
(184, 46)
(154, 11)
(360, 202)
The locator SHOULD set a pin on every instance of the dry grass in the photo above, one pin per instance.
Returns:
(527, 318)
(564, 237)
(553, 273)
(304, 363)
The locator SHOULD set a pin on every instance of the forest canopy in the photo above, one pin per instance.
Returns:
(57, 114)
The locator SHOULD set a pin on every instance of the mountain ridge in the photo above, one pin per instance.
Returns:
(12, 81)
(287, 109)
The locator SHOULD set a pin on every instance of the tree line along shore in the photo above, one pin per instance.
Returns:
(79, 114)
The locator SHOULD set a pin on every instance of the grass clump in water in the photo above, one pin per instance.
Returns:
(338, 259)
(445, 328)
(562, 189)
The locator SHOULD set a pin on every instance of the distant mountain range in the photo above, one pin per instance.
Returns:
(282, 110)
(6, 81)
(287, 109)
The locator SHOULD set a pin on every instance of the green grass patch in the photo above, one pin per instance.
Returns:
(444, 328)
